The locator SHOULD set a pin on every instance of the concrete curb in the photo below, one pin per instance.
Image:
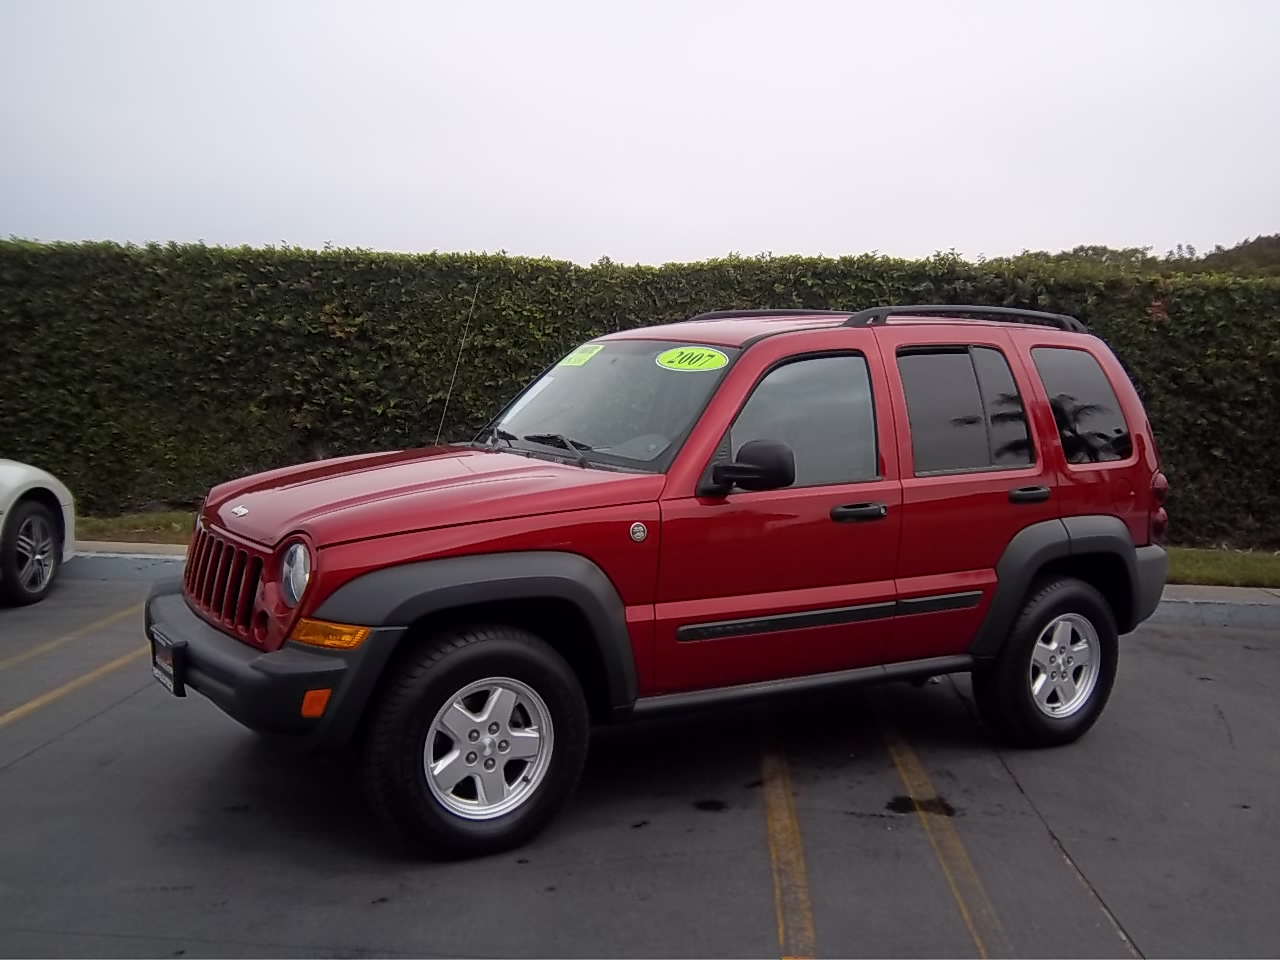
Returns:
(118, 548)
(122, 566)
(1217, 613)
(1233, 607)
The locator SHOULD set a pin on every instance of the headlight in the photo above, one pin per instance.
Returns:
(295, 571)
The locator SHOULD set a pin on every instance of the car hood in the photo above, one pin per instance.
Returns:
(373, 495)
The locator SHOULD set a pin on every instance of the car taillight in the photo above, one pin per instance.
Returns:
(1159, 516)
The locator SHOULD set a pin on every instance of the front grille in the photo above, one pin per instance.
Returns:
(221, 580)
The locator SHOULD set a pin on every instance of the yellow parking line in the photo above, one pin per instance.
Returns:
(74, 635)
(31, 706)
(786, 854)
(966, 887)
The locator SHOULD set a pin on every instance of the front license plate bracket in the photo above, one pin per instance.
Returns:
(168, 662)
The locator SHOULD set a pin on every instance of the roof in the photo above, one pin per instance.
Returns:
(735, 328)
(731, 331)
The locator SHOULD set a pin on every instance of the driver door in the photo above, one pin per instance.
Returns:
(764, 585)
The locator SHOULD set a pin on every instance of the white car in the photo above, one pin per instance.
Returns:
(37, 531)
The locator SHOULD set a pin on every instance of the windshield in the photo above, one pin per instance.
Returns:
(625, 403)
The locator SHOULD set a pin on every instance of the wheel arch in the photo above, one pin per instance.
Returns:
(46, 497)
(1096, 549)
(564, 598)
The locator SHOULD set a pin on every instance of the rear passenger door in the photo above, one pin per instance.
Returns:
(972, 477)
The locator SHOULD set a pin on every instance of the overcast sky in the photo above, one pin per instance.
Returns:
(644, 131)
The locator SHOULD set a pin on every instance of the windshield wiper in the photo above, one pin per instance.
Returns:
(559, 439)
(498, 433)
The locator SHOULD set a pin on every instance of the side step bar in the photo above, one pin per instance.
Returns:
(696, 699)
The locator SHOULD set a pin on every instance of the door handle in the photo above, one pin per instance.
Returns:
(1029, 495)
(855, 512)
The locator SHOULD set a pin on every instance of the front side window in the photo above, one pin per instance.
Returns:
(1090, 422)
(626, 403)
(822, 408)
(964, 410)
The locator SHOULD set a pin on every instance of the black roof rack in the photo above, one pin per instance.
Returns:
(794, 312)
(879, 315)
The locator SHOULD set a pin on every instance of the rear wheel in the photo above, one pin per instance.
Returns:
(1054, 675)
(477, 743)
(29, 554)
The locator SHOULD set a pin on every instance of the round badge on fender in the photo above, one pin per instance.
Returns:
(638, 532)
(691, 358)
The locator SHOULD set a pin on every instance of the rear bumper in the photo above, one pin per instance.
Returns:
(1152, 572)
(264, 691)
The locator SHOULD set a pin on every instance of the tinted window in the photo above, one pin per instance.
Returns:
(822, 407)
(1090, 422)
(1006, 417)
(944, 407)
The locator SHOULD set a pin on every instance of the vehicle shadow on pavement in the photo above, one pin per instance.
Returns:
(309, 809)
(265, 798)
(704, 759)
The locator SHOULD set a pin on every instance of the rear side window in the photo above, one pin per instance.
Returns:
(964, 410)
(1090, 422)
(1006, 417)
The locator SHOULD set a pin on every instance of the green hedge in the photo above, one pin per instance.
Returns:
(143, 375)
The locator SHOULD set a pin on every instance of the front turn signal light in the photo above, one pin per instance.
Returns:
(333, 636)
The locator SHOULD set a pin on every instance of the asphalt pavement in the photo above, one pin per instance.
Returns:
(876, 822)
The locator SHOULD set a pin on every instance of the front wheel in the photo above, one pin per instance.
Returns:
(1054, 675)
(477, 742)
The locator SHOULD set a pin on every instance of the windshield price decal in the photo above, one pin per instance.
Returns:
(697, 359)
(581, 356)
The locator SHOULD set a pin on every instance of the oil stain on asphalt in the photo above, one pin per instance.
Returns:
(936, 805)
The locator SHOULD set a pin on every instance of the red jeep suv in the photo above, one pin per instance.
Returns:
(742, 504)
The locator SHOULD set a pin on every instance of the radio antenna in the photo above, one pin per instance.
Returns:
(457, 364)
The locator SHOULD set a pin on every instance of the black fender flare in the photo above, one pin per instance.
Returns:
(395, 597)
(1034, 547)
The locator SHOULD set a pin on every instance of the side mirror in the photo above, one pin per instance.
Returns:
(761, 465)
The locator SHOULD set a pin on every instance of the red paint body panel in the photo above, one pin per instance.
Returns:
(362, 498)
(600, 534)
(763, 554)
(955, 526)
(1120, 488)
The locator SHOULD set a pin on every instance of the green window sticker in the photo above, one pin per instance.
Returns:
(697, 359)
(581, 355)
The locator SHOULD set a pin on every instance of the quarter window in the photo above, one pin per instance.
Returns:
(964, 410)
(822, 408)
(1090, 422)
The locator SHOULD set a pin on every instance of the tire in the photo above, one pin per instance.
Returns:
(460, 822)
(1079, 617)
(30, 526)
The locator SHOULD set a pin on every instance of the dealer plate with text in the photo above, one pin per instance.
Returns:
(167, 658)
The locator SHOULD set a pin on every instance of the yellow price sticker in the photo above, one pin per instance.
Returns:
(697, 359)
(581, 356)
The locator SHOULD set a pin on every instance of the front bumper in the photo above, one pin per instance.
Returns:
(262, 691)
